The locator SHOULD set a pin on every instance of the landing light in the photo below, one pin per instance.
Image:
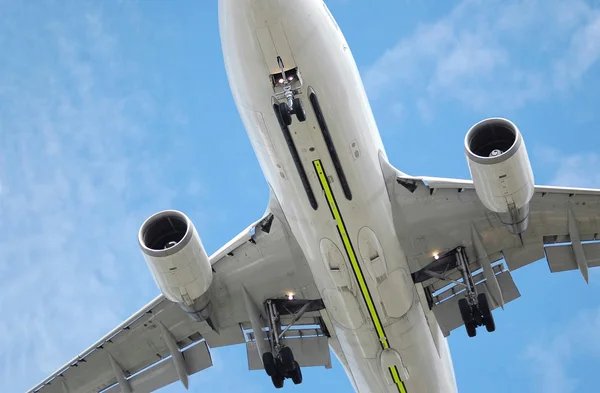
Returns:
(281, 81)
(436, 256)
(290, 296)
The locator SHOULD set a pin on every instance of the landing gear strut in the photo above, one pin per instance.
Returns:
(280, 363)
(474, 308)
(291, 105)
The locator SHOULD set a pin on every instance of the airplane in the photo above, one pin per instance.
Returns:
(352, 255)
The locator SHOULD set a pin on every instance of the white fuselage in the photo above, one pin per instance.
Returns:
(388, 342)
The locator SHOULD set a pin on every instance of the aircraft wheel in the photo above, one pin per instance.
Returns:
(490, 324)
(299, 110)
(471, 329)
(284, 112)
(269, 363)
(466, 314)
(484, 307)
(477, 317)
(287, 359)
(297, 375)
(277, 380)
(465, 311)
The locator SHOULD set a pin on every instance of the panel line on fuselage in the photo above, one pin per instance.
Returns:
(314, 100)
(358, 274)
(297, 161)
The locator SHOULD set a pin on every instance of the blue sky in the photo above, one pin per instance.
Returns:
(113, 110)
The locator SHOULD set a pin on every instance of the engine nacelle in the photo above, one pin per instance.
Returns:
(177, 259)
(501, 170)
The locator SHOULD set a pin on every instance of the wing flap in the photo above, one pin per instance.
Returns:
(452, 290)
(225, 336)
(518, 257)
(433, 216)
(562, 258)
(308, 352)
(197, 358)
(265, 258)
(134, 346)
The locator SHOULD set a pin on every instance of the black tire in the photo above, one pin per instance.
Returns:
(465, 311)
(284, 112)
(490, 324)
(471, 329)
(486, 313)
(296, 375)
(269, 363)
(277, 380)
(287, 359)
(484, 305)
(299, 110)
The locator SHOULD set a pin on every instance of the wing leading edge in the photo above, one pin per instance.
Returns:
(160, 344)
(435, 218)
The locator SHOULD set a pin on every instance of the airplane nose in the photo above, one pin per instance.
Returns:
(266, 12)
(258, 12)
(256, 33)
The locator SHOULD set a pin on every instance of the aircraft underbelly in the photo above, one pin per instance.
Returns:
(326, 175)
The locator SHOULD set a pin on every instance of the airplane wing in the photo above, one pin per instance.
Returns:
(160, 344)
(436, 217)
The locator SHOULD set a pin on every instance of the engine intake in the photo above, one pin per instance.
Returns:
(165, 232)
(501, 171)
(492, 139)
(177, 259)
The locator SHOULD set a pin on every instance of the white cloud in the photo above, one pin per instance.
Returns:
(582, 54)
(76, 171)
(556, 349)
(492, 54)
(578, 170)
(570, 170)
(552, 354)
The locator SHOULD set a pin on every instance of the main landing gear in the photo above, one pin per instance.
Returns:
(474, 308)
(288, 83)
(281, 366)
(280, 363)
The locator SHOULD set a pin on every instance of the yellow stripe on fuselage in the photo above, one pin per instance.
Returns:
(356, 267)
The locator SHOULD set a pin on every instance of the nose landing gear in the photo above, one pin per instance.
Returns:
(286, 111)
(287, 86)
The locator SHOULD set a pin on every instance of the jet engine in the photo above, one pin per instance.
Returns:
(501, 170)
(177, 259)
